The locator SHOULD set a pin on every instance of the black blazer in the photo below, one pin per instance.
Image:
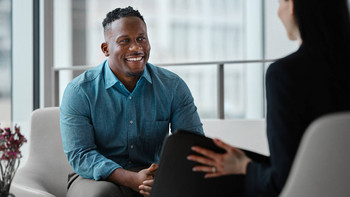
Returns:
(299, 88)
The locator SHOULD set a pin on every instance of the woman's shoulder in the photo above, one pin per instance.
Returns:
(298, 57)
(295, 62)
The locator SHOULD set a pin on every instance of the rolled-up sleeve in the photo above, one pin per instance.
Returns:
(78, 136)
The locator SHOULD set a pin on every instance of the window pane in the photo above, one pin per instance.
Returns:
(202, 81)
(244, 90)
(5, 62)
(179, 31)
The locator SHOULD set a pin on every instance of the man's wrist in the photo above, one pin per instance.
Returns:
(125, 178)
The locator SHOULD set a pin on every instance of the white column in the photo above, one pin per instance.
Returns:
(22, 67)
(63, 41)
(46, 52)
(254, 50)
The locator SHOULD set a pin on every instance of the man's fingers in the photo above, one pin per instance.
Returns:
(145, 189)
(153, 167)
(144, 193)
(148, 183)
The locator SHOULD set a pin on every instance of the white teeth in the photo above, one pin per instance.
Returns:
(134, 59)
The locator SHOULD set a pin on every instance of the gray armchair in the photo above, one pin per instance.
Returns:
(45, 173)
(321, 167)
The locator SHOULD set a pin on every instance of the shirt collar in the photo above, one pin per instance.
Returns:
(146, 74)
(111, 79)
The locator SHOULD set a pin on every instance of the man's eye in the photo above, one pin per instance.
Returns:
(124, 41)
(141, 38)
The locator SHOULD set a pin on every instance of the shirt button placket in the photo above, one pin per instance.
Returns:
(131, 142)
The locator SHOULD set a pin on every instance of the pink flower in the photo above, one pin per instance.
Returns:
(10, 143)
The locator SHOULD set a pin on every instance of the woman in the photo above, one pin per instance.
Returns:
(301, 87)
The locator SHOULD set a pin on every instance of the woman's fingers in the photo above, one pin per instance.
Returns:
(222, 144)
(202, 160)
(204, 151)
(208, 169)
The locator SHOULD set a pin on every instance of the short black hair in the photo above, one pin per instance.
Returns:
(120, 13)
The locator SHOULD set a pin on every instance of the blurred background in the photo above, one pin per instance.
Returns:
(221, 48)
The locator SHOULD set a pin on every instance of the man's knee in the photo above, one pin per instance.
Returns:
(86, 187)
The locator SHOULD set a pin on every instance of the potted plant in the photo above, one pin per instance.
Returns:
(10, 155)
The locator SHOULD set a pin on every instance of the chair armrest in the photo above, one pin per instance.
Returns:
(29, 184)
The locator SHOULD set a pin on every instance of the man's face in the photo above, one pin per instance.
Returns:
(127, 46)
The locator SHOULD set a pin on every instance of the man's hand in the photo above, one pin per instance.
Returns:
(134, 179)
(146, 186)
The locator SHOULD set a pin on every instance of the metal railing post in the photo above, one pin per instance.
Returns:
(221, 92)
(56, 88)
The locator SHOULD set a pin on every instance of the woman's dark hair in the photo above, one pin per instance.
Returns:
(120, 13)
(324, 27)
(324, 24)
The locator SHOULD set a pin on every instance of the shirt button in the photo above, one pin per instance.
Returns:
(131, 122)
(129, 161)
(132, 146)
(120, 84)
(130, 97)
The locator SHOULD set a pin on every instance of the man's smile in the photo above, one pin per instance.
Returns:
(134, 59)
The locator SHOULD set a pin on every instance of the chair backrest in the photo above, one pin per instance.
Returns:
(46, 156)
(249, 134)
(321, 166)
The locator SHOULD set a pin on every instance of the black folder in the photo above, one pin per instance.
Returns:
(175, 177)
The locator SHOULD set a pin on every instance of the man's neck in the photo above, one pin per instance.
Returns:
(129, 82)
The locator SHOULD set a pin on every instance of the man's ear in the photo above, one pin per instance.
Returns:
(104, 48)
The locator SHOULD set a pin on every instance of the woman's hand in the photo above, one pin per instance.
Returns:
(234, 161)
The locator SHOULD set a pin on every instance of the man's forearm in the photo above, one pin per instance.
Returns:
(125, 178)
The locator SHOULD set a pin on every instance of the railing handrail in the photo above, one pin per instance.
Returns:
(220, 71)
(85, 67)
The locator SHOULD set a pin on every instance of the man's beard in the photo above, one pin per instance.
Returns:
(135, 74)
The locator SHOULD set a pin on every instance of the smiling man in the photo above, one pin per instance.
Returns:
(115, 116)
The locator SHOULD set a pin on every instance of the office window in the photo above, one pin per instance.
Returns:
(5, 62)
(185, 31)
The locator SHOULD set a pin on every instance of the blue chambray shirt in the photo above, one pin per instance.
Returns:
(105, 127)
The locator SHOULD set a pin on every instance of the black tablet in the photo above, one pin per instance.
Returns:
(175, 177)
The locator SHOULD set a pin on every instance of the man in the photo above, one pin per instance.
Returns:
(115, 116)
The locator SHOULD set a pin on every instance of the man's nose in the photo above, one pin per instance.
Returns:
(135, 46)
